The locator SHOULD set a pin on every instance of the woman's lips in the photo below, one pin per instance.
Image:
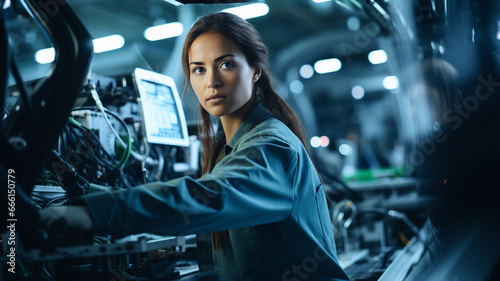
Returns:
(216, 98)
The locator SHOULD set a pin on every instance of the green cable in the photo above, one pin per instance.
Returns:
(72, 120)
(22, 269)
(128, 149)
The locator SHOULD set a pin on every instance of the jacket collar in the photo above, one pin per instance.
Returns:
(258, 114)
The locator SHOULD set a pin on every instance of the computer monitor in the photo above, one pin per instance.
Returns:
(161, 108)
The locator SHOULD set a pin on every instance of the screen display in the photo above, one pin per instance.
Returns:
(161, 110)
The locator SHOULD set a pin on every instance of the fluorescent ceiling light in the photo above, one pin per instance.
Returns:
(103, 44)
(44, 56)
(164, 31)
(321, 1)
(108, 43)
(327, 66)
(377, 57)
(391, 82)
(249, 11)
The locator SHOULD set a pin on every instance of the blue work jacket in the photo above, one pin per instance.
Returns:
(265, 191)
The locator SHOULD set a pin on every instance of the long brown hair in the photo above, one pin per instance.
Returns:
(250, 43)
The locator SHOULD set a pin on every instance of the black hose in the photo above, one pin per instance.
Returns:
(27, 104)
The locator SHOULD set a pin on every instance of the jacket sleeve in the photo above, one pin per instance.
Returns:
(252, 185)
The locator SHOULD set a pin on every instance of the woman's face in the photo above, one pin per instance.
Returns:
(220, 74)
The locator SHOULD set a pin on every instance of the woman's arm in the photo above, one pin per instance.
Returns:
(75, 217)
(252, 185)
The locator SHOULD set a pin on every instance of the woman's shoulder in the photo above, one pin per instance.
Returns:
(271, 130)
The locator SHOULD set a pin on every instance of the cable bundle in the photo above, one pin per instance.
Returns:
(81, 148)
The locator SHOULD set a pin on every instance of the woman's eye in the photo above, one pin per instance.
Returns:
(198, 70)
(226, 65)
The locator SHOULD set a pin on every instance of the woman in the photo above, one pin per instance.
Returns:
(260, 196)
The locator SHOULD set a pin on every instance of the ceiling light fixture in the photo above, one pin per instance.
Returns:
(377, 57)
(249, 11)
(327, 65)
(101, 45)
(108, 43)
(163, 31)
(391, 82)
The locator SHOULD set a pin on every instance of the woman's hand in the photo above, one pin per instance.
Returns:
(75, 217)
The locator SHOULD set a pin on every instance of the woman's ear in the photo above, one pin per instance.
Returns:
(256, 74)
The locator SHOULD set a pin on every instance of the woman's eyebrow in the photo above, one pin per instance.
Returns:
(216, 60)
(223, 57)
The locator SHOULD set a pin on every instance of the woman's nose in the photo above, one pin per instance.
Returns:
(214, 80)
